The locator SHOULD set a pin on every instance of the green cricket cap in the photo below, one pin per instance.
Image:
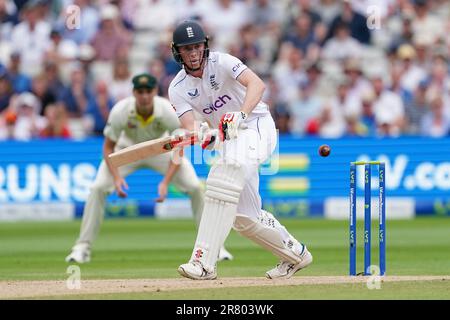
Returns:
(144, 81)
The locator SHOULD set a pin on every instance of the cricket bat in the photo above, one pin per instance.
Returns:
(150, 148)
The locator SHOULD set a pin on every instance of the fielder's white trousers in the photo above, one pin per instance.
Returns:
(185, 180)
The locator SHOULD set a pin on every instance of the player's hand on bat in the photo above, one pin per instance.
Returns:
(121, 185)
(207, 137)
(230, 123)
(162, 191)
(179, 135)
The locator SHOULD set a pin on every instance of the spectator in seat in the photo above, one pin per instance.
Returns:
(416, 110)
(6, 89)
(60, 50)
(411, 74)
(7, 20)
(29, 121)
(265, 13)
(89, 17)
(331, 122)
(30, 38)
(112, 41)
(388, 107)
(436, 123)
(341, 46)
(425, 24)
(7, 125)
(20, 81)
(282, 119)
(358, 82)
(56, 126)
(54, 83)
(302, 35)
(405, 35)
(305, 108)
(99, 110)
(439, 75)
(120, 86)
(356, 23)
(304, 7)
(158, 69)
(289, 72)
(248, 50)
(367, 119)
(40, 89)
(397, 74)
(77, 96)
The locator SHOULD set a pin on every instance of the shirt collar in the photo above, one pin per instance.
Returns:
(145, 122)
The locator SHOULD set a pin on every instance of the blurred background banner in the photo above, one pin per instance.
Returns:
(333, 69)
(50, 179)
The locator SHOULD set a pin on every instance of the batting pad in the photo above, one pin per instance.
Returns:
(270, 234)
(223, 188)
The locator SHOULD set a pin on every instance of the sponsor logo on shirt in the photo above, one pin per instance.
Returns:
(193, 93)
(131, 125)
(212, 81)
(216, 105)
(158, 126)
(236, 67)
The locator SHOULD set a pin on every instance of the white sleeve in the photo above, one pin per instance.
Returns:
(400, 105)
(180, 105)
(170, 118)
(396, 104)
(114, 125)
(232, 65)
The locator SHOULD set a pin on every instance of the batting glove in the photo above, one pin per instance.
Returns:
(208, 137)
(230, 123)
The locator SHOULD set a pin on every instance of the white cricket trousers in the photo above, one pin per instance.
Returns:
(237, 173)
(252, 147)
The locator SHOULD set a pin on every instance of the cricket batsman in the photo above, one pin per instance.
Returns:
(141, 117)
(228, 96)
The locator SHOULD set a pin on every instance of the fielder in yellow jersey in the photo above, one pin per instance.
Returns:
(142, 117)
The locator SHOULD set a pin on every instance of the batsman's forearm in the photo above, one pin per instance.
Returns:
(253, 96)
(187, 121)
(107, 150)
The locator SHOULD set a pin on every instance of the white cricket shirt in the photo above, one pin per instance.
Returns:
(126, 127)
(215, 93)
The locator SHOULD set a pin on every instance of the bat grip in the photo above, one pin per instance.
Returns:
(180, 143)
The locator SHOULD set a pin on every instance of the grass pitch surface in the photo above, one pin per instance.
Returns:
(152, 249)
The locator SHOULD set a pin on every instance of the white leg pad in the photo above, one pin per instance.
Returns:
(223, 188)
(270, 234)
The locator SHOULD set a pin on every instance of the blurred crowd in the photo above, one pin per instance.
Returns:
(333, 68)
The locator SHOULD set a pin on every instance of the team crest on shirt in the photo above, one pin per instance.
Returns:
(193, 93)
(131, 125)
(158, 125)
(212, 81)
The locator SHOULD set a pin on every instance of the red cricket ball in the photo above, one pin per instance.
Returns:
(324, 150)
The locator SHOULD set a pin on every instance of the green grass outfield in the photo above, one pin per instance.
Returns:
(153, 249)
